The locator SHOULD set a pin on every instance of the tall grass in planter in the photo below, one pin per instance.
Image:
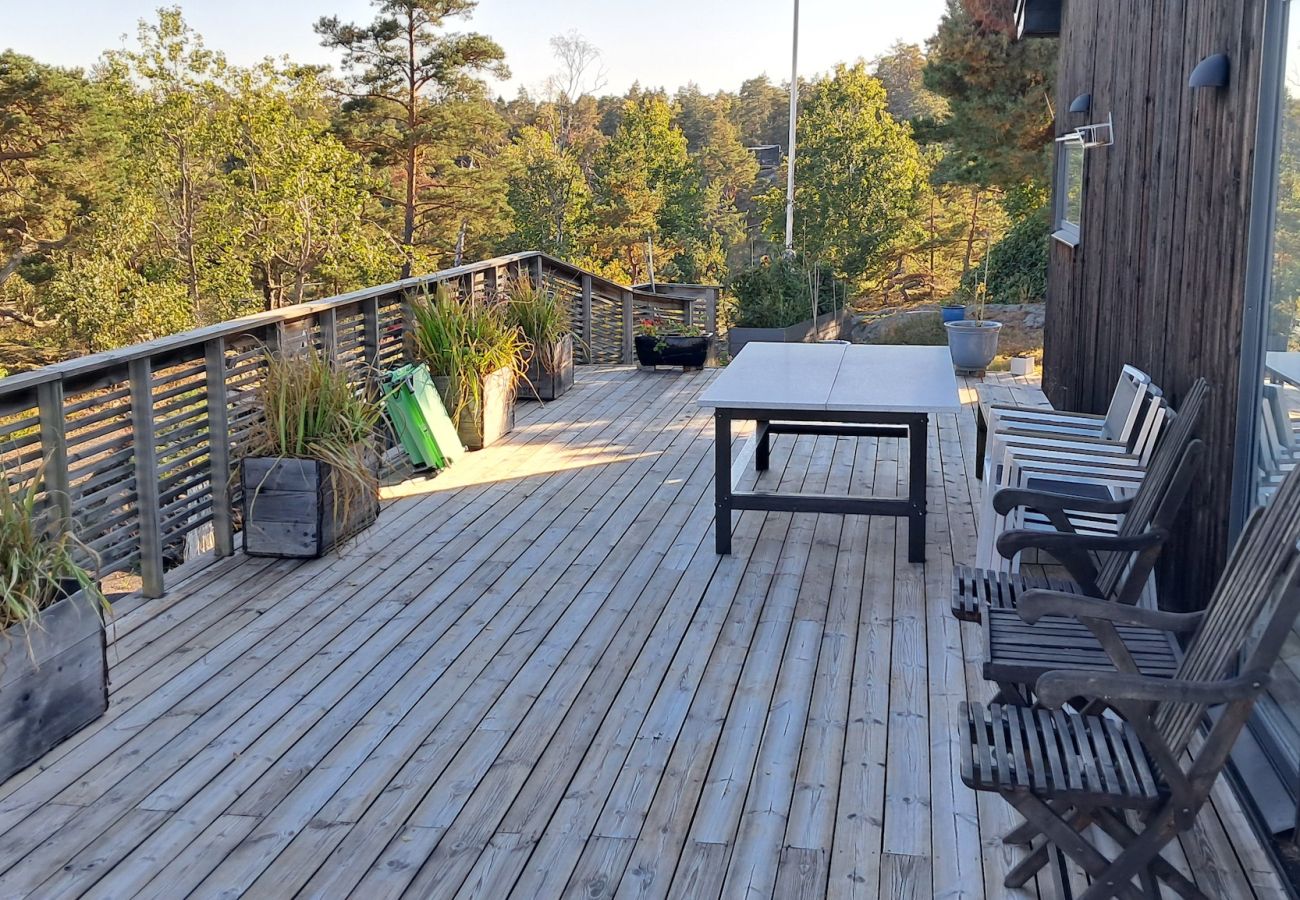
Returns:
(542, 317)
(475, 354)
(53, 650)
(310, 466)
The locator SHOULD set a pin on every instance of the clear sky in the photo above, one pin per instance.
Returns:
(661, 43)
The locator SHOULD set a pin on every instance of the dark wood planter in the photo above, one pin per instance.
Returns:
(482, 425)
(673, 350)
(829, 327)
(547, 384)
(290, 508)
(53, 680)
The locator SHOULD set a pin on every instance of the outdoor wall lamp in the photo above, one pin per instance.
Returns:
(1213, 71)
(1081, 104)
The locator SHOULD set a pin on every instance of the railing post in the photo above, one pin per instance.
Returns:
(370, 331)
(223, 524)
(328, 323)
(54, 448)
(536, 271)
(586, 317)
(140, 376)
(711, 309)
(627, 328)
(688, 312)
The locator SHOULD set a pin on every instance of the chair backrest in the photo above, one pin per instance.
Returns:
(1168, 461)
(1254, 606)
(1126, 403)
(1143, 439)
(1276, 445)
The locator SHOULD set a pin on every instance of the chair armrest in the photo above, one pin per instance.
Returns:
(1012, 433)
(1010, 543)
(1034, 605)
(1008, 499)
(1055, 689)
(1034, 412)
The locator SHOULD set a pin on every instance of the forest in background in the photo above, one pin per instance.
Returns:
(167, 188)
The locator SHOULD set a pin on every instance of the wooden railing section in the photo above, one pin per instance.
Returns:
(138, 443)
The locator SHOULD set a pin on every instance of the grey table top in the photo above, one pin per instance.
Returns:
(837, 378)
(1285, 366)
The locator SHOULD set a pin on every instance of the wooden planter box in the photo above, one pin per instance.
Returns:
(53, 681)
(290, 510)
(550, 385)
(677, 350)
(483, 425)
(830, 327)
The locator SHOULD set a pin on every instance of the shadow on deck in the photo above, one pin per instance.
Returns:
(534, 678)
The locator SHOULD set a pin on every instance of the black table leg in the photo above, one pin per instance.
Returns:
(917, 435)
(981, 439)
(722, 479)
(763, 449)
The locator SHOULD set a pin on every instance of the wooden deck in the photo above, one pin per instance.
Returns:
(534, 678)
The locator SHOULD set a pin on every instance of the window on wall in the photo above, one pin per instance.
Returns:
(1276, 408)
(1069, 189)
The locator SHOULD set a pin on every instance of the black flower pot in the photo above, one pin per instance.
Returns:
(673, 350)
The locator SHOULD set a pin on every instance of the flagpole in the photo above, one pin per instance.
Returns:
(794, 116)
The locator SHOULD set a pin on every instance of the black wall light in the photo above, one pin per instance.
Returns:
(1212, 72)
(1081, 104)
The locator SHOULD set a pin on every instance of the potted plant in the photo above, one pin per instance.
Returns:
(543, 319)
(786, 301)
(53, 651)
(310, 468)
(973, 343)
(952, 311)
(474, 353)
(661, 342)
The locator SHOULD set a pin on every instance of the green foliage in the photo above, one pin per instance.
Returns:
(464, 340)
(418, 110)
(761, 112)
(902, 72)
(780, 294)
(550, 200)
(861, 178)
(1017, 264)
(999, 123)
(38, 558)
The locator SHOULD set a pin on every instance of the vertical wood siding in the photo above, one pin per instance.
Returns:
(1158, 279)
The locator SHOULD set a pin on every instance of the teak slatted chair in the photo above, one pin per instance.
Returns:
(1140, 778)
(1112, 567)
(1118, 421)
(1088, 468)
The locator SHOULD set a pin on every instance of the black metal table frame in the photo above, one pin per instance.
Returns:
(912, 426)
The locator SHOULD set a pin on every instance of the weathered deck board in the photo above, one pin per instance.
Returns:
(534, 678)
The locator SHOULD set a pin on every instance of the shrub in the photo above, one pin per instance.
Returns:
(311, 409)
(541, 315)
(37, 561)
(779, 293)
(1017, 264)
(464, 340)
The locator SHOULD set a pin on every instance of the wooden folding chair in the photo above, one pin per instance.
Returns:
(1114, 567)
(1138, 776)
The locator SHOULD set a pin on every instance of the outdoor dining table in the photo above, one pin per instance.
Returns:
(825, 389)
(1283, 366)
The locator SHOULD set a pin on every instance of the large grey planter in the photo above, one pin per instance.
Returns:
(291, 508)
(830, 327)
(553, 383)
(483, 424)
(53, 680)
(973, 345)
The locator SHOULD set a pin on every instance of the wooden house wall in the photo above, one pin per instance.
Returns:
(1158, 279)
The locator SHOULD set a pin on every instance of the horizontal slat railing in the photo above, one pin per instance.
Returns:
(138, 443)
